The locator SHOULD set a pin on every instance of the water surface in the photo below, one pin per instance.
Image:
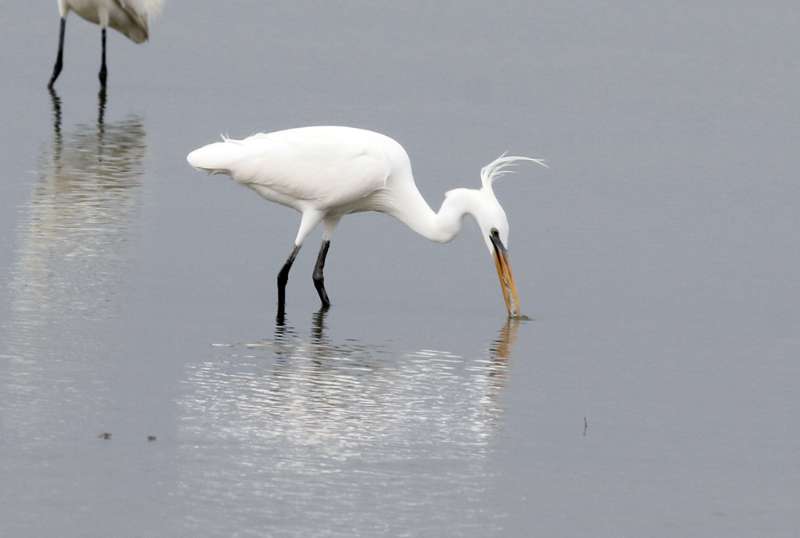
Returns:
(652, 393)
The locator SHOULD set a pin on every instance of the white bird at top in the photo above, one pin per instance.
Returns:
(129, 17)
(327, 172)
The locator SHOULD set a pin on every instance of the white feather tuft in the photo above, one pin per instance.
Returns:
(228, 140)
(502, 166)
(147, 9)
(154, 7)
(151, 7)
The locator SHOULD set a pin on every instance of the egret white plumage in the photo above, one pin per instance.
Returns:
(328, 172)
(129, 17)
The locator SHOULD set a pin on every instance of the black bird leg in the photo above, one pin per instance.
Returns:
(102, 99)
(283, 278)
(103, 75)
(60, 58)
(319, 278)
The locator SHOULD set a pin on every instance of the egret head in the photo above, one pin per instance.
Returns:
(494, 228)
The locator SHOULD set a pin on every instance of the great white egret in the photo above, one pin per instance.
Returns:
(129, 17)
(327, 172)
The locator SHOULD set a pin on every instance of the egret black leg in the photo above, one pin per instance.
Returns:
(319, 278)
(103, 75)
(283, 278)
(102, 99)
(60, 58)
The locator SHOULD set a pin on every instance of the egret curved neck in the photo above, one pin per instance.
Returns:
(414, 211)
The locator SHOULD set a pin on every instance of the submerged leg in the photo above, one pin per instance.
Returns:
(283, 278)
(103, 75)
(319, 278)
(60, 58)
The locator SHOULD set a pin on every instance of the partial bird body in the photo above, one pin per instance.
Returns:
(325, 172)
(330, 169)
(129, 17)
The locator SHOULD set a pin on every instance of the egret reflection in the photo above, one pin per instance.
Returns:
(74, 236)
(301, 407)
(72, 248)
(311, 387)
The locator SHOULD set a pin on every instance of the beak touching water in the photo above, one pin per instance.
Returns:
(507, 284)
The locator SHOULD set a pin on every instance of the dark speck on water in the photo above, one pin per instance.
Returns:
(104, 435)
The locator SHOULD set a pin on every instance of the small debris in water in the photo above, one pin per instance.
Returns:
(585, 426)
(151, 438)
(263, 343)
(104, 435)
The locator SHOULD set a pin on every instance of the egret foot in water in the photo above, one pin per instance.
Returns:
(318, 277)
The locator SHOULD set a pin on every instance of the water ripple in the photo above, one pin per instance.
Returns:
(315, 428)
(72, 250)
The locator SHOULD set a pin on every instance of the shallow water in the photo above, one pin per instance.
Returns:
(652, 392)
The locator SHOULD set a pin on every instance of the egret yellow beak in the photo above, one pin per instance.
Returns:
(506, 277)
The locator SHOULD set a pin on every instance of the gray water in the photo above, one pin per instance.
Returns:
(653, 392)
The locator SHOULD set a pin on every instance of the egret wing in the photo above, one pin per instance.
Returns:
(324, 168)
(133, 16)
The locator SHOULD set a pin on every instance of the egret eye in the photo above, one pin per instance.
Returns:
(494, 233)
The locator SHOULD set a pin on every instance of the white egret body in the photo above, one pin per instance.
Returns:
(327, 172)
(129, 17)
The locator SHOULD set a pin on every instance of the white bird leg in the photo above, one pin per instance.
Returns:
(60, 57)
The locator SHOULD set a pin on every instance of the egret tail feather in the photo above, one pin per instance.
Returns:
(217, 157)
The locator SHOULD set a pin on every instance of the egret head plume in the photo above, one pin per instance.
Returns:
(503, 165)
(488, 211)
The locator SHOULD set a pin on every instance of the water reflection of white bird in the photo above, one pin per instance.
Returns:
(299, 417)
(72, 247)
(129, 17)
(81, 209)
(327, 172)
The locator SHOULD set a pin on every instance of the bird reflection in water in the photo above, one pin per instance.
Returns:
(74, 239)
(329, 424)
(72, 248)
